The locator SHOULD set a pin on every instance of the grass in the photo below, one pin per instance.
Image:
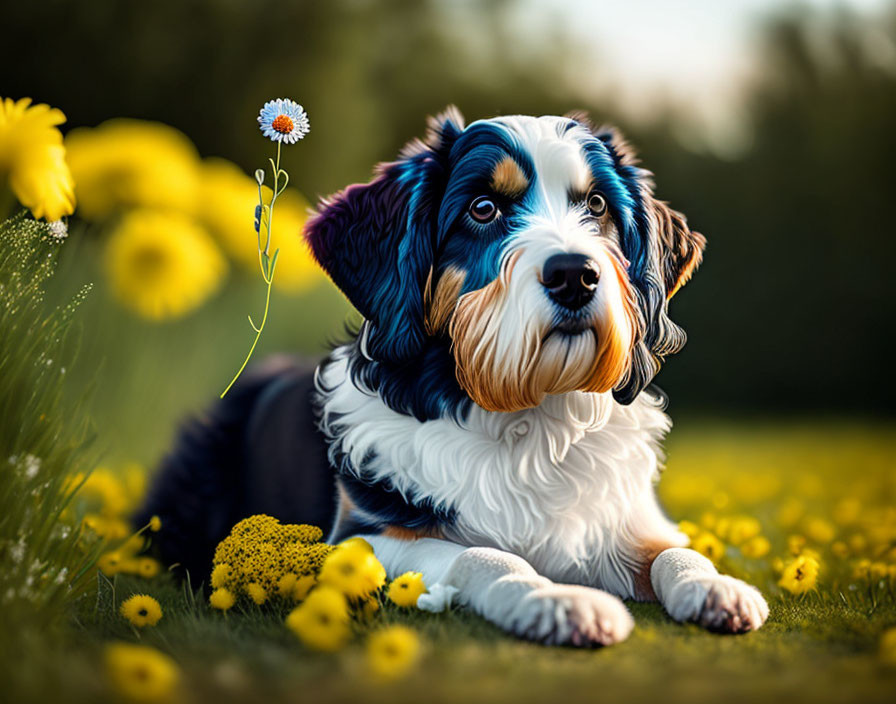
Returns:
(790, 474)
(819, 647)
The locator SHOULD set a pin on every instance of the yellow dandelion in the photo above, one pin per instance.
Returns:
(257, 593)
(370, 607)
(357, 541)
(756, 547)
(303, 586)
(32, 157)
(878, 570)
(221, 575)
(155, 524)
(109, 563)
(709, 545)
(800, 575)
(392, 652)
(888, 646)
(840, 549)
(742, 529)
(140, 673)
(141, 610)
(406, 589)
(820, 530)
(105, 489)
(125, 164)
(222, 599)
(796, 544)
(689, 528)
(353, 570)
(162, 265)
(321, 621)
(862, 569)
(148, 567)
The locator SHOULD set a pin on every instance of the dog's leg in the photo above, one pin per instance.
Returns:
(504, 589)
(689, 587)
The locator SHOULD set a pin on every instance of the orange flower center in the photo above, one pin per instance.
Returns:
(283, 124)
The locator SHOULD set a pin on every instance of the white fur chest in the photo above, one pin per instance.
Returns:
(567, 485)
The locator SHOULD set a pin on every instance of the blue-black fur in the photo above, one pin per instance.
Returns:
(256, 451)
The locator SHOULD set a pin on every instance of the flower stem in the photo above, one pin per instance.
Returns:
(267, 302)
(265, 263)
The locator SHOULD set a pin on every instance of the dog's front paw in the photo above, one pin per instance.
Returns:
(564, 614)
(718, 602)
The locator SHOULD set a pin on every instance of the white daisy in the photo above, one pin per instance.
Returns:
(283, 120)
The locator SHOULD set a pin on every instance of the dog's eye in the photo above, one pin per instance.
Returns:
(597, 204)
(483, 209)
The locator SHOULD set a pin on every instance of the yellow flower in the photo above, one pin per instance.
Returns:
(800, 575)
(141, 610)
(222, 599)
(406, 589)
(795, 544)
(709, 545)
(820, 530)
(689, 528)
(33, 157)
(162, 265)
(140, 673)
(148, 567)
(392, 651)
(840, 549)
(109, 563)
(105, 488)
(126, 164)
(356, 541)
(257, 593)
(220, 575)
(888, 646)
(756, 547)
(353, 570)
(155, 524)
(303, 586)
(743, 529)
(321, 621)
(370, 607)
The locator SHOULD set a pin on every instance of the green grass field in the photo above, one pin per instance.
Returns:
(819, 647)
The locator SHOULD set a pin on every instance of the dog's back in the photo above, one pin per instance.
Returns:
(256, 451)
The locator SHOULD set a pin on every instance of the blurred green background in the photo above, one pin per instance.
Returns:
(770, 124)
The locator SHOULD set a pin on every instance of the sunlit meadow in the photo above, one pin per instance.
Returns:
(131, 259)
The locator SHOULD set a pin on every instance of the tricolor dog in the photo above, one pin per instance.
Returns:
(491, 423)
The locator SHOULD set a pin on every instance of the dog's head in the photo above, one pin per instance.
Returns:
(534, 247)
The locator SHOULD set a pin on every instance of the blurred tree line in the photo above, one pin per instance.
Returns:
(791, 310)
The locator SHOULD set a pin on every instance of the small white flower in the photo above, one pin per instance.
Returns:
(58, 229)
(283, 120)
(32, 466)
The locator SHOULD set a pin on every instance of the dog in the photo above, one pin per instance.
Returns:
(492, 422)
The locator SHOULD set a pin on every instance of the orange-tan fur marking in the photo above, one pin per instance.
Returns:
(439, 304)
(508, 178)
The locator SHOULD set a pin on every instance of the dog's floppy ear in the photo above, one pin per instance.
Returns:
(663, 251)
(376, 240)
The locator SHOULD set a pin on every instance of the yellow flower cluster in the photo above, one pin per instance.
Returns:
(174, 213)
(263, 558)
(32, 158)
(106, 498)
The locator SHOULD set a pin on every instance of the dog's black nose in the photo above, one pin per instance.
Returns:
(570, 279)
